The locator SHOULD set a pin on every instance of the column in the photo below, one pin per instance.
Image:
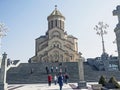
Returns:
(81, 83)
(3, 84)
(117, 31)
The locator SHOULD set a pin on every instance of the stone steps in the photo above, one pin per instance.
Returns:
(22, 73)
(91, 74)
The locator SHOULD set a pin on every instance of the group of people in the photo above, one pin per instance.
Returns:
(48, 70)
(60, 79)
(55, 69)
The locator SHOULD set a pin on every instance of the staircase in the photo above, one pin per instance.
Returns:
(22, 74)
(93, 75)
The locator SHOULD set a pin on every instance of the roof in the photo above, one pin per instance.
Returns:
(16, 61)
(71, 36)
(56, 12)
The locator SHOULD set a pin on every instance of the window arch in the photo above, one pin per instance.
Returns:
(56, 23)
(51, 24)
(56, 34)
(56, 44)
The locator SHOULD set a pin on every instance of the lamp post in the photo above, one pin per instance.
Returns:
(3, 30)
(101, 31)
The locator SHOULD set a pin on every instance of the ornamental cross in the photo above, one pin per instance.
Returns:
(55, 6)
(117, 12)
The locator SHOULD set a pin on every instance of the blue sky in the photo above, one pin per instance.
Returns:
(27, 20)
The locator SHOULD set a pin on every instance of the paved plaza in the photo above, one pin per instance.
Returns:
(69, 86)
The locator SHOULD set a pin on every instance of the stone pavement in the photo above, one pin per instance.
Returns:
(69, 86)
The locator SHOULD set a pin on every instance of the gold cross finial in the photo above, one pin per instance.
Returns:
(55, 6)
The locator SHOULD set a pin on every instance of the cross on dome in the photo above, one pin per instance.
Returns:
(55, 6)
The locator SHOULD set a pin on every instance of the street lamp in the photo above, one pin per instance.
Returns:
(101, 31)
(3, 31)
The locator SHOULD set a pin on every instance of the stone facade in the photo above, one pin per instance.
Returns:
(56, 45)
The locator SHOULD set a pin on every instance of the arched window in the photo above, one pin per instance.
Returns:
(56, 44)
(51, 24)
(60, 24)
(56, 34)
(56, 23)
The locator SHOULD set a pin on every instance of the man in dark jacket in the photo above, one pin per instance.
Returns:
(60, 81)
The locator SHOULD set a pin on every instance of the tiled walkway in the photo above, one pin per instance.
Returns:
(42, 87)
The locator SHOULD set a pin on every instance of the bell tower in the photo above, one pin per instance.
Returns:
(56, 19)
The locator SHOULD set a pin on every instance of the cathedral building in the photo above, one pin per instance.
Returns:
(56, 45)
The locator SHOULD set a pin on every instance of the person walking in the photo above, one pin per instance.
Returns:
(49, 79)
(66, 77)
(47, 70)
(60, 81)
(52, 69)
(56, 68)
(60, 69)
(55, 79)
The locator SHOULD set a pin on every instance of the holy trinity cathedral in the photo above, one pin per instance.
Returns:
(56, 45)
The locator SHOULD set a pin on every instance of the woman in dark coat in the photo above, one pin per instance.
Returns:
(60, 81)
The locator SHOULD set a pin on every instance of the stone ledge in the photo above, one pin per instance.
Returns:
(82, 84)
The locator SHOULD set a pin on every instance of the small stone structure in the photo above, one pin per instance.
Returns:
(3, 84)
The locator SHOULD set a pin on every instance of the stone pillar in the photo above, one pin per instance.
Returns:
(3, 84)
(0, 61)
(117, 31)
(81, 83)
(80, 68)
(105, 59)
